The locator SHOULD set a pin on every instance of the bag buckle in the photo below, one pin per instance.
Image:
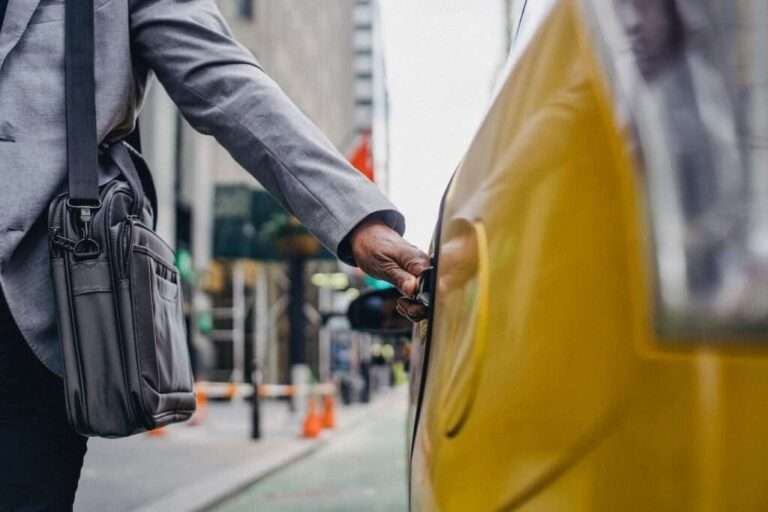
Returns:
(85, 248)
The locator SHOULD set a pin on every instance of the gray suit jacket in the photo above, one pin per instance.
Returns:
(217, 84)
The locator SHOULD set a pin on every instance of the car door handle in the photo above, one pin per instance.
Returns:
(426, 287)
(416, 308)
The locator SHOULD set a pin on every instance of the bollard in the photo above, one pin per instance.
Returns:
(256, 411)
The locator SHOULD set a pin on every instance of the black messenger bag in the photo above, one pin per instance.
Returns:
(118, 292)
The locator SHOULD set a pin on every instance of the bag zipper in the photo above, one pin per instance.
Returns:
(126, 233)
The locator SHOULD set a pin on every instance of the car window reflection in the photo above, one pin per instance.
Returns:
(685, 72)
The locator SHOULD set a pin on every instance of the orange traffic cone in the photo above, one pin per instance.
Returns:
(201, 402)
(312, 422)
(329, 416)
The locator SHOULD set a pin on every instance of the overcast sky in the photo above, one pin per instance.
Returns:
(443, 57)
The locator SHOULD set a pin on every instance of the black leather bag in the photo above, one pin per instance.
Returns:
(118, 293)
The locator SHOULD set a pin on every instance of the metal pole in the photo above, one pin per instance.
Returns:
(261, 316)
(296, 312)
(238, 323)
(299, 374)
(324, 335)
(261, 333)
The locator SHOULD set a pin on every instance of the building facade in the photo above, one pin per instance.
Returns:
(328, 58)
(306, 48)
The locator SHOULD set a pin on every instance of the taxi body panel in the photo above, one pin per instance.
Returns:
(547, 385)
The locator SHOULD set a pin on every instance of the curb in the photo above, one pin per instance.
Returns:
(203, 495)
(200, 496)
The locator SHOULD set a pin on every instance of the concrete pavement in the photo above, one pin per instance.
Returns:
(191, 468)
(362, 470)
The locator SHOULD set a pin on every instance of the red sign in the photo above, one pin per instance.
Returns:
(362, 157)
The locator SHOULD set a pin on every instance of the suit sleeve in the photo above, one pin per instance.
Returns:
(222, 91)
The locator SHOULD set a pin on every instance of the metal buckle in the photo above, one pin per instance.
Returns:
(87, 247)
(88, 204)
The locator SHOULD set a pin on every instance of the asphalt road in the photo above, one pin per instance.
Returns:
(362, 470)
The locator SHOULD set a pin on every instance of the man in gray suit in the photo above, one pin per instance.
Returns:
(222, 91)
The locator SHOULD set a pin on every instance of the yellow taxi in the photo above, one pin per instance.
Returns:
(598, 331)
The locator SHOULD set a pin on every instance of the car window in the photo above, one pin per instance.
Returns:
(690, 80)
(530, 15)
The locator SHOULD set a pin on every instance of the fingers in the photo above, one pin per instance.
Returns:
(414, 260)
(413, 311)
(383, 253)
(406, 282)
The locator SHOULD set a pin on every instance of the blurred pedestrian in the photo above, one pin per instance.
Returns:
(221, 90)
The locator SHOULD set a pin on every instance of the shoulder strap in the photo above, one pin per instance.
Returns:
(82, 138)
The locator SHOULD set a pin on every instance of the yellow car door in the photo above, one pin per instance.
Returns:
(599, 323)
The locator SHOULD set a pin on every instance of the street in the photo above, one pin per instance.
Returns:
(364, 469)
(143, 471)
(192, 468)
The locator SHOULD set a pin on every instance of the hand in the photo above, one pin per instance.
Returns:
(383, 253)
(412, 309)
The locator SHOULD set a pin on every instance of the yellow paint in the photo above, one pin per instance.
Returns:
(570, 402)
(460, 392)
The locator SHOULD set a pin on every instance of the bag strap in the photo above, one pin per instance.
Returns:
(82, 138)
(82, 134)
(136, 173)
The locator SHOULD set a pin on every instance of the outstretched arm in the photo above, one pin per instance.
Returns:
(222, 91)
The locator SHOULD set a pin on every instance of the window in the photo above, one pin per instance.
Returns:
(690, 76)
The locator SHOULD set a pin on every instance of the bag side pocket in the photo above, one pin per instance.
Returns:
(161, 352)
(99, 344)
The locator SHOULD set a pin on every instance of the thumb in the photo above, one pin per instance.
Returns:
(407, 283)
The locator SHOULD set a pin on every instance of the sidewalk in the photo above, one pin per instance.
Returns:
(364, 469)
(192, 468)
